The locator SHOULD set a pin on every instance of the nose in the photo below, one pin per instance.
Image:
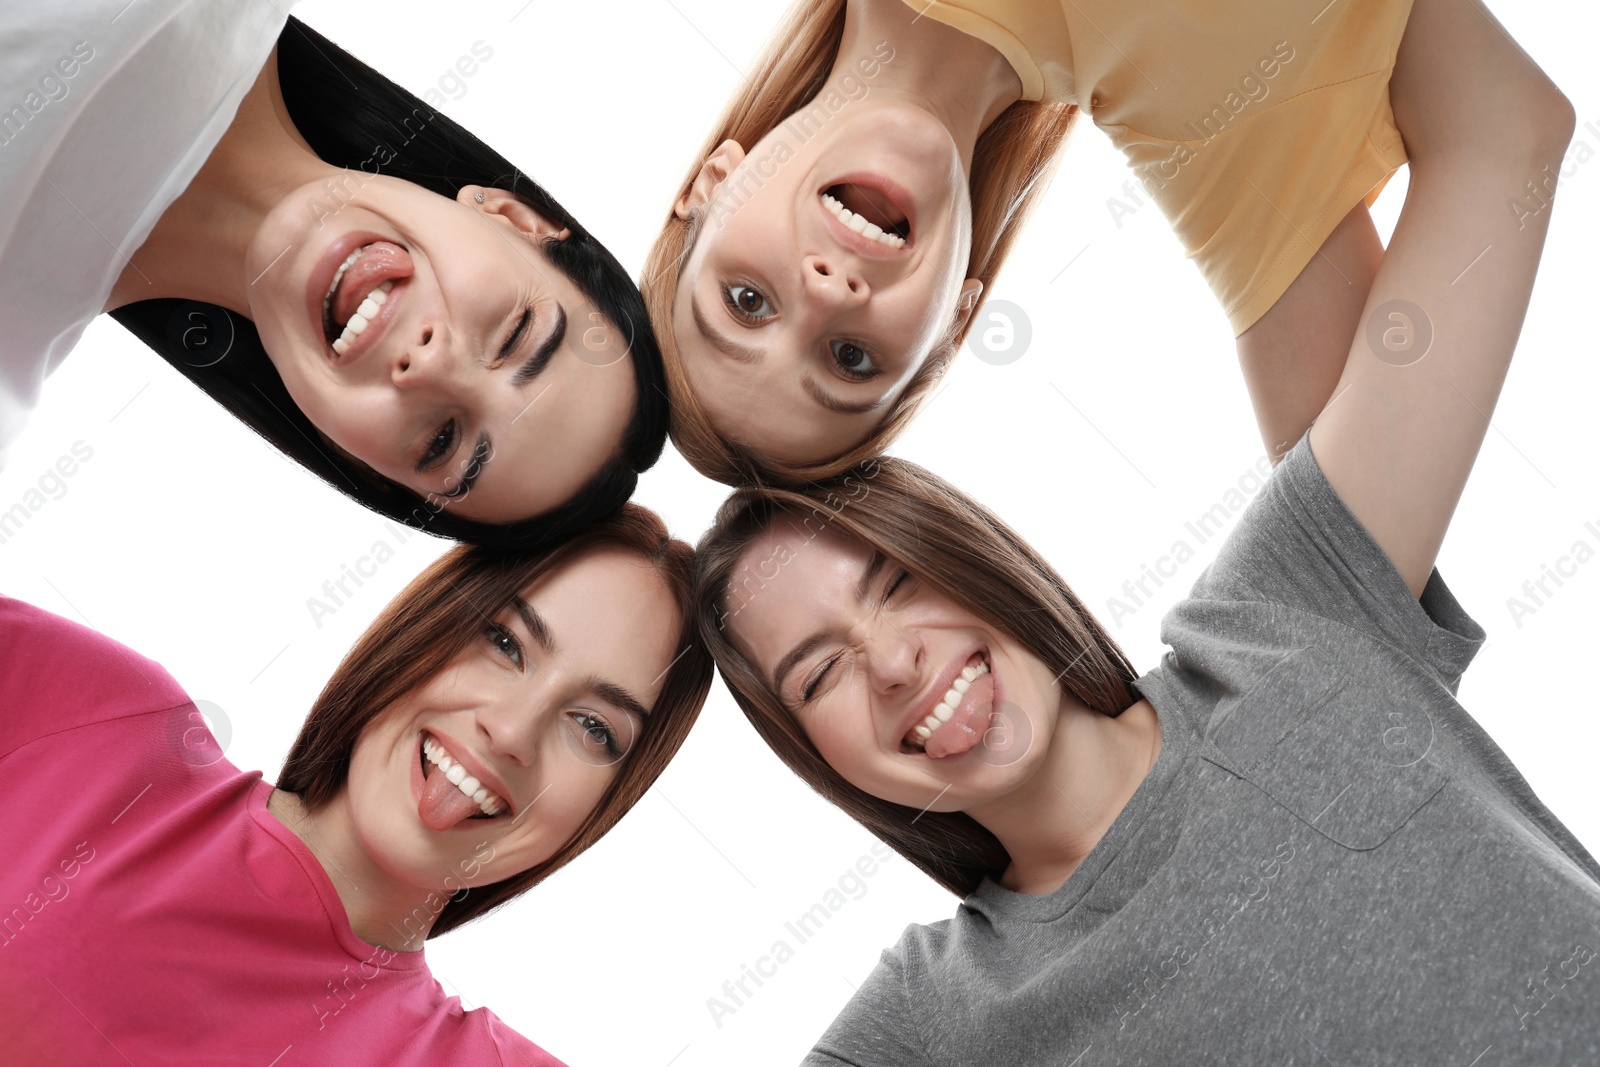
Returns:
(424, 359)
(895, 659)
(512, 721)
(835, 280)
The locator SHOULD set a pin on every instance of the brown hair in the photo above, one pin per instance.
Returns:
(1011, 166)
(435, 617)
(960, 548)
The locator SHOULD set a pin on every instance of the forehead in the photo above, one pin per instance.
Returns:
(798, 575)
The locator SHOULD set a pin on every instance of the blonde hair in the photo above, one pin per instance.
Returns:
(1011, 166)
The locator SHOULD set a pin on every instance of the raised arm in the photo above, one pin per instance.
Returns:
(1403, 428)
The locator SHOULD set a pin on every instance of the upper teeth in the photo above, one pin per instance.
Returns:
(947, 707)
(458, 776)
(861, 225)
(363, 314)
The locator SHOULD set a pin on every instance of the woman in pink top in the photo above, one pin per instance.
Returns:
(163, 906)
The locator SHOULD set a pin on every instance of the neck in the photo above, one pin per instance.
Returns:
(382, 910)
(1094, 765)
(962, 81)
(197, 249)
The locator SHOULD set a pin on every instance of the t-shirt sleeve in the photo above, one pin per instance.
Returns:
(1299, 546)
(876, 1028)
(57, 675)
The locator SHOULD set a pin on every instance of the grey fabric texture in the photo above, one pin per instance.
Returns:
(1329, 864)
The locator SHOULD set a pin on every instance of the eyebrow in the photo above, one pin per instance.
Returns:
(725, 345)
(833, 403)
(874, 567)
(535, 364)
(535, 624)
(614, 694)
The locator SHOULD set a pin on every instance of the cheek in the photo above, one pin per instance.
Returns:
(842, 733)
(360, 420)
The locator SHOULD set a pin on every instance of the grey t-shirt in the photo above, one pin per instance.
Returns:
(1329, 864)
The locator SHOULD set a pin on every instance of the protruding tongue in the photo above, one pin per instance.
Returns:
(443, 805)
(381, 261)
(966, 727)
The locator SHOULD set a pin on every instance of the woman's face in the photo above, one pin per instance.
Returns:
(797, 332)
(863, 652)
(539, 710)
(477, 373)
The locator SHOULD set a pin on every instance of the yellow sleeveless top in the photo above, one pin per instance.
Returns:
(1254, 125)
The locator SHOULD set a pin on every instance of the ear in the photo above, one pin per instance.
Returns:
(966, 304)
(723, 161)
(508, 208)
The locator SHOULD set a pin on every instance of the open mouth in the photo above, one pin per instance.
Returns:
(449, 794)
(960, 718)
(359, 289)
(869, 212)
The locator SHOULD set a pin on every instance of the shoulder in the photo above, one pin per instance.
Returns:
(514, 1049)
(57, 674)
(1298, 550)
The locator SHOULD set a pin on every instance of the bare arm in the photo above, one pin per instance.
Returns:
(1293, 355)
(1424, 370)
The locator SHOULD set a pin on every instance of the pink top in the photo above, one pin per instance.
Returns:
(154, 911)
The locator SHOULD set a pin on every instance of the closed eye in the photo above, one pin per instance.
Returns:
(518, 332)
(817, 679)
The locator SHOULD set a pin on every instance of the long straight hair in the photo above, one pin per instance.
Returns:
(439, 614)
(958, 547)
(354, 117)
(1011, 167)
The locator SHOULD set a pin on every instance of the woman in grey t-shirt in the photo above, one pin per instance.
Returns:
(1287, 843)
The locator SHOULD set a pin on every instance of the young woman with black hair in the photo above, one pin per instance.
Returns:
(1288, 842)
(162, 906)
(387, 300)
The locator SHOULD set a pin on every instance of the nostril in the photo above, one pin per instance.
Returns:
(427, 334)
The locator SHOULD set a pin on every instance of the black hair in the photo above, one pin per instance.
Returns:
(354, 117)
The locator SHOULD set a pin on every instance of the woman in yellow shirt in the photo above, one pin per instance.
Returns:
(824, 256)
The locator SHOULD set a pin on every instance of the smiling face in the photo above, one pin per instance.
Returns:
(826, 266)
(865, 653)
(489, 767)
(432, 340)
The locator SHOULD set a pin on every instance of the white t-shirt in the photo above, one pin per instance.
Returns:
(108, 108)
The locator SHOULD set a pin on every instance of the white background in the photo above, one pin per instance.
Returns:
(188, 539)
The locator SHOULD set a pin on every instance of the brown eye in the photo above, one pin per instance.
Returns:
(747, 303)
(853, 361)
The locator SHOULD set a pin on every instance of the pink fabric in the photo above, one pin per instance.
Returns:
(153, 911)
